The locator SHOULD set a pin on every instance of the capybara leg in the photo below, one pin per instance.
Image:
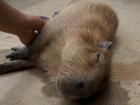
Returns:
(16, 65)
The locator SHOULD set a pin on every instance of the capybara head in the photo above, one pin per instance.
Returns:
(83, 69)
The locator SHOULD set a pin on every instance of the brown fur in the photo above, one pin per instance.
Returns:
(74, 35)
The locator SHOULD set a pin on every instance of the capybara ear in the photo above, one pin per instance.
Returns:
(106, 45)
(55, 13)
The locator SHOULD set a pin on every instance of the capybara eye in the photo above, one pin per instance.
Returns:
(98, 57)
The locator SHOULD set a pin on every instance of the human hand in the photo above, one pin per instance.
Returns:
(30, 24)
(16, 22)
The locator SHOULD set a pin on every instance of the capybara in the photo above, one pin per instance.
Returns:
(73, 48)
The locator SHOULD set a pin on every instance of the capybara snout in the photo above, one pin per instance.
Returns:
(79, 88)
(82, 72)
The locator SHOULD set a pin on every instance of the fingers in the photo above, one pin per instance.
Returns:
(38, 23)
(30, 28)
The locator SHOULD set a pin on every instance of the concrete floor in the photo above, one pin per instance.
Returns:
(24, 88)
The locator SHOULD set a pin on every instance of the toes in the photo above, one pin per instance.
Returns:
(15, 48)
(8, 56)
(11, 56)
(18, 54)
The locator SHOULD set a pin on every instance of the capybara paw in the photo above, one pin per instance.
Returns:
(18, 53)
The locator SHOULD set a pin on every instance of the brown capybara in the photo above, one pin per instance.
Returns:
(73, 47)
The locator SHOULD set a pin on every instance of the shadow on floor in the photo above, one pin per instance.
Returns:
(114, 94)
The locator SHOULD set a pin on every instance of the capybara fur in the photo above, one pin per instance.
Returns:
(75, 60)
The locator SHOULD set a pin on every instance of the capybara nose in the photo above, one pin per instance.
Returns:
(78, 84)
(74, 88)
